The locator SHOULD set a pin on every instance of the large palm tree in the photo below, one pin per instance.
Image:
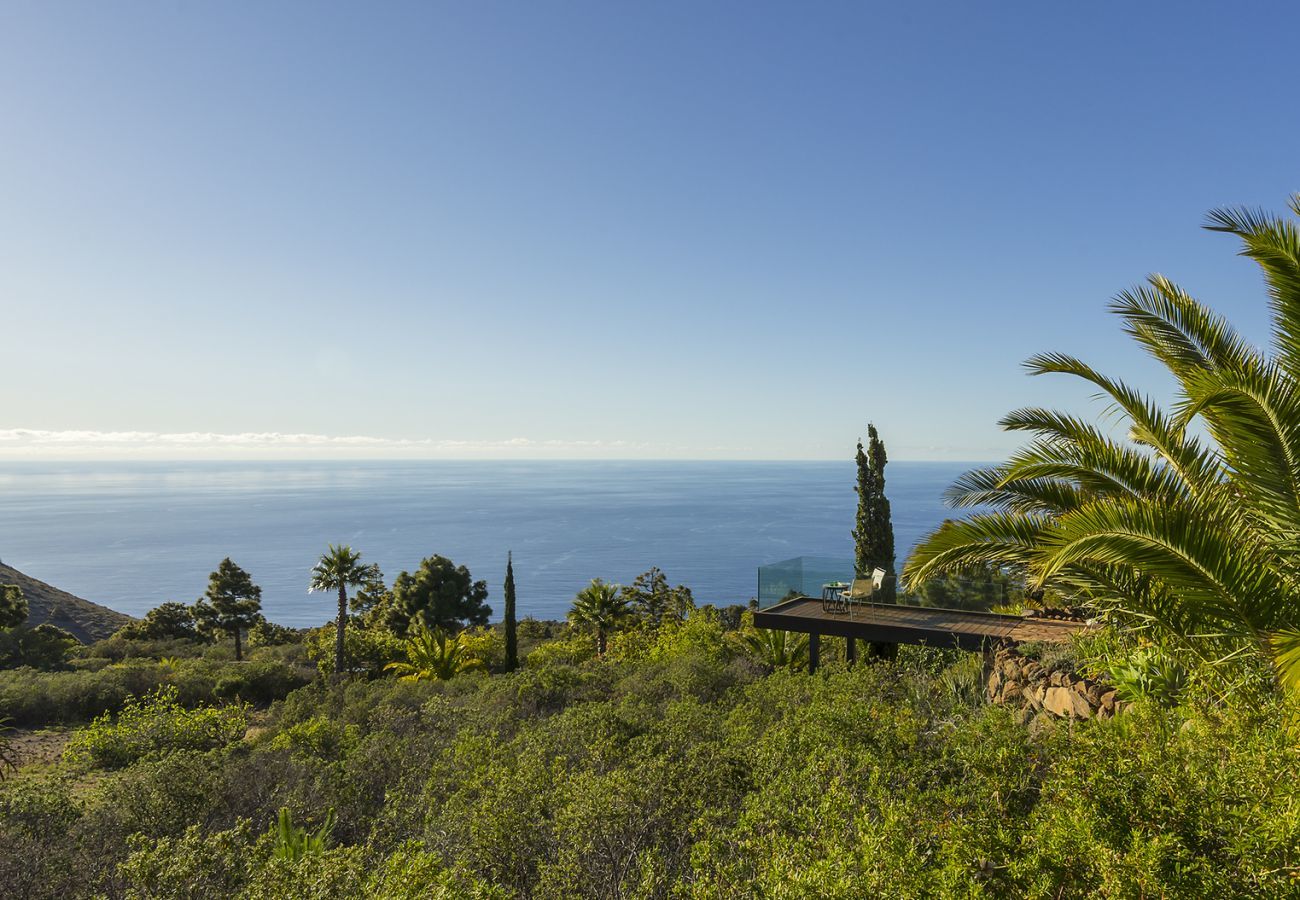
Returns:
(339, 567)
(433, 655)
(1189, 523)
(599, 607)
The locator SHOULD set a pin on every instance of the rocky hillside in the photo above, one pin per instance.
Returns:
(88, 621)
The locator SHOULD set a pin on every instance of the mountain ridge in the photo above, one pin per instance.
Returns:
(88, 621)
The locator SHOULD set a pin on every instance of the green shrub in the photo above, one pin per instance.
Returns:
(319, 736)
(368, 650)
(43, 647)
(120, 647)
(34, 698)
(198, 865)
(686, 774)
(156, 724)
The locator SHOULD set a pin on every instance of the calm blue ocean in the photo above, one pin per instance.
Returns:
(131, 535)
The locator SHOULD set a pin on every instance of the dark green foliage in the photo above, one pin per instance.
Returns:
(440, 594)
(873, 533)
(511, 626)
(13, 606)
(42, 647)
(269, 634)
(166, 621)
(650, 598)
(231, 604)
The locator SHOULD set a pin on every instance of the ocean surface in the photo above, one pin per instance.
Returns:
(131, 535)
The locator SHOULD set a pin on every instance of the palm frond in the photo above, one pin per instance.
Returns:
(1273, 243)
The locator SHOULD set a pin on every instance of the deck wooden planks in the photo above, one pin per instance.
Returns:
(912, 624)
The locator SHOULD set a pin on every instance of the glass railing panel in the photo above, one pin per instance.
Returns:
(816, 576)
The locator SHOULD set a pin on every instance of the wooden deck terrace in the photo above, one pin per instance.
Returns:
(888, 624)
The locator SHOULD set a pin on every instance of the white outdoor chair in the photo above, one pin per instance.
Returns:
(864, 589)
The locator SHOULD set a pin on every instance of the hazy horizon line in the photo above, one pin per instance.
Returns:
(74, 445)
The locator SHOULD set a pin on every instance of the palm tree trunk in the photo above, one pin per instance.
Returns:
(600, 643)
(338, 631)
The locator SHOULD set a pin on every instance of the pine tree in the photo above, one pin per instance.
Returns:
(231, 604)
(13, 606)
(873, 537)
(512, 627)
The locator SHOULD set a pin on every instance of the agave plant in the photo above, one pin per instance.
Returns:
(433, 655)
(778, 649)
(1188, 523)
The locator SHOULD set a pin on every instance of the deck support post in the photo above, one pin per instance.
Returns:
(814, 652)
(851, 650)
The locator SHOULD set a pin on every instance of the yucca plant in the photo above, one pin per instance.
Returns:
(1187, 524)
(433, 655)
(293, 842)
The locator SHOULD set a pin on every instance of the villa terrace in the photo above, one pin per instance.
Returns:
(802, 595)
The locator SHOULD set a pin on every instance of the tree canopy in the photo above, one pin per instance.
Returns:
(873, 533)
(231, 603)
(511, 624)
(439, 594)
(599, 607)
(165, 621)
(650, 598)
(13, 606)
(339, 568)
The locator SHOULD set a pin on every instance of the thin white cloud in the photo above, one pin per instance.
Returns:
(29, 443)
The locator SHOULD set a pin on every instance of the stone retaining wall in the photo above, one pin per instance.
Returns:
(1021, 682)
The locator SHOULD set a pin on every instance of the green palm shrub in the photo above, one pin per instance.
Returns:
(434, 655)
(1187, 525)
(777, 649)
(600, 607)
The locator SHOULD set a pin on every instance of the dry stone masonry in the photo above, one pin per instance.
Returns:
(1018, 681)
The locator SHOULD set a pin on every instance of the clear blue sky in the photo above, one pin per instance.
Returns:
(606, 229)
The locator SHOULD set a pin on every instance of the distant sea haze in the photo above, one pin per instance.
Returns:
(132, 535)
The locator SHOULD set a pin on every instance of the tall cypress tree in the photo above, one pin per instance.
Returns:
(512, 627)
(873, 536)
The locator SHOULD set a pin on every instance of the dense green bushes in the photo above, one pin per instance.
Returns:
(154, 725)
(677, 767)
(32, 697)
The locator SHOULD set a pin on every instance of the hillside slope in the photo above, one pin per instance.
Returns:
(88, 621)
